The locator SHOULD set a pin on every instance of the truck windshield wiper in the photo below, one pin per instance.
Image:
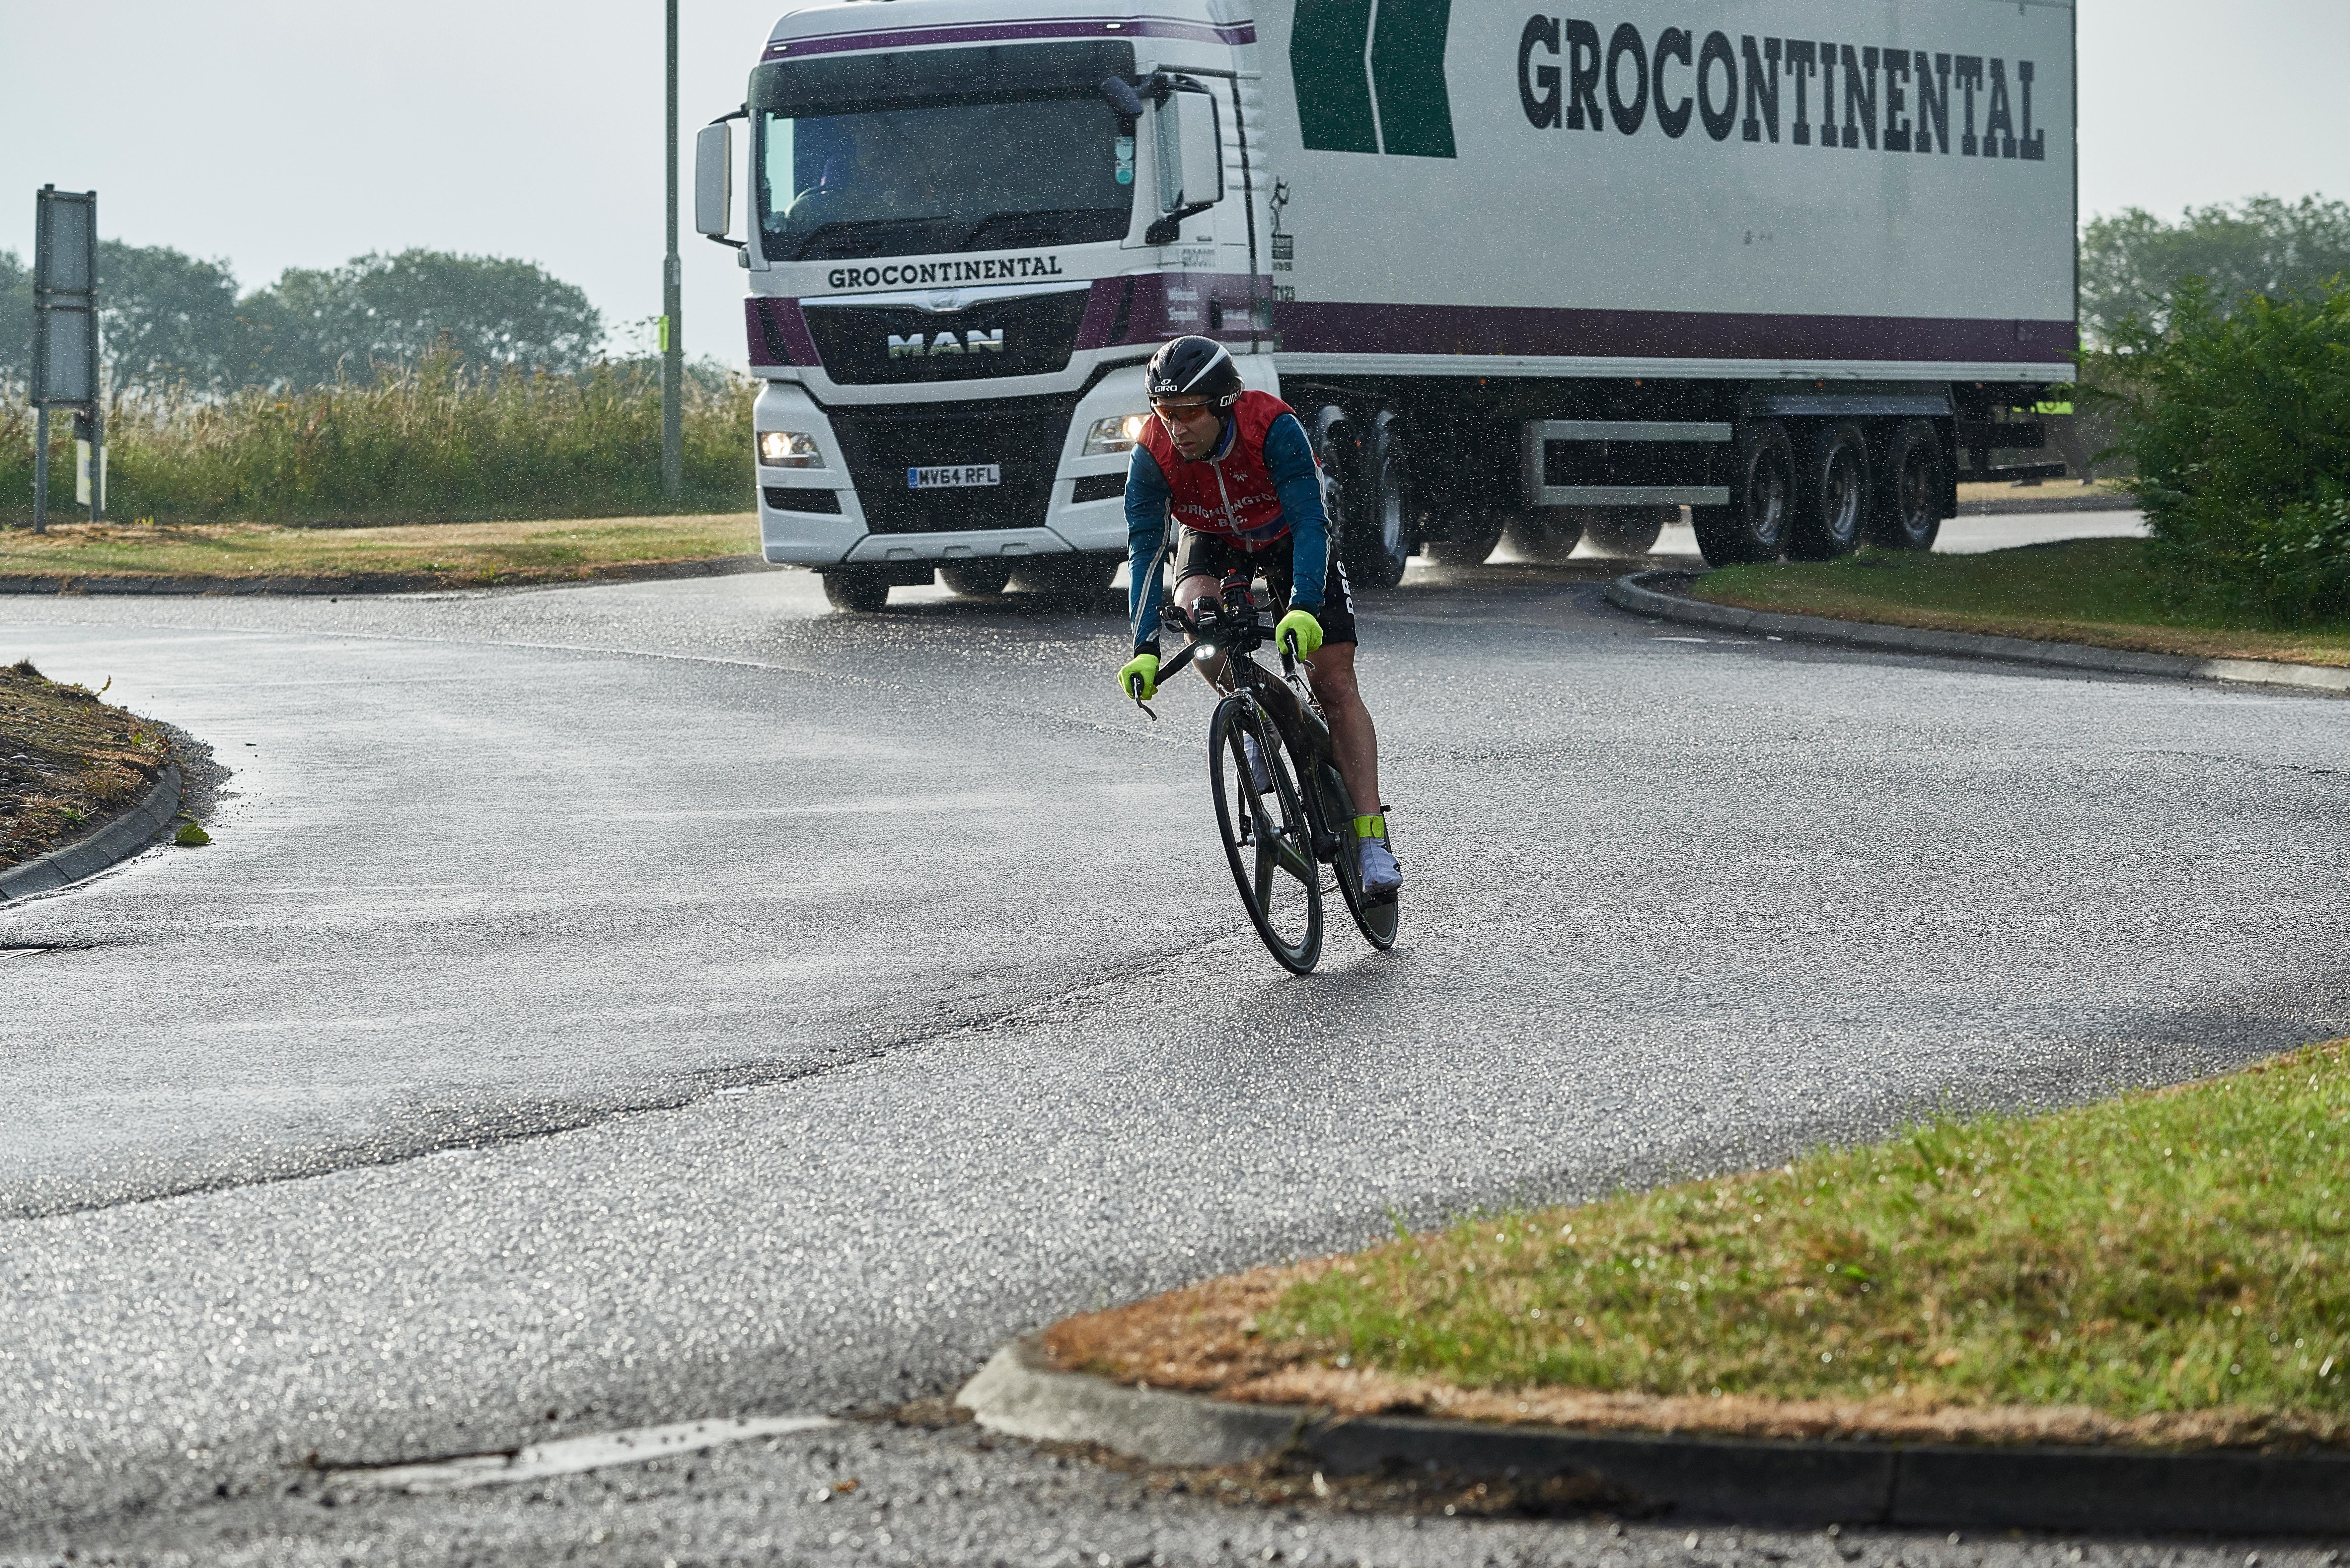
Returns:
(841, 227)
(1054, 214)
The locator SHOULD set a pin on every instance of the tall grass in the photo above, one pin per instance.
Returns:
(437, 442)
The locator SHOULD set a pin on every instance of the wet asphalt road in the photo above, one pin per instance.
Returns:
(628, 1004)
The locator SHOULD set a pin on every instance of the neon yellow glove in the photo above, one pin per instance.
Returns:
(1142, 667)
(1307, 630)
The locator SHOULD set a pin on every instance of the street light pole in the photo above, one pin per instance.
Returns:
(673, 333)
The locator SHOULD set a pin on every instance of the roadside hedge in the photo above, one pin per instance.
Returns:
(2238, 424)
(435, 443)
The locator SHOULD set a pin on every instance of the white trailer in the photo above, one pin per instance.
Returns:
(1793, 264)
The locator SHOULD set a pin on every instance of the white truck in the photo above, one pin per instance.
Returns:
(1794, 265)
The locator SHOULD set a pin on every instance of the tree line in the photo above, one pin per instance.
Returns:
(170, 320)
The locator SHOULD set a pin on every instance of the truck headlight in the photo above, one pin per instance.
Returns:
(1115, 435)
(788, 449)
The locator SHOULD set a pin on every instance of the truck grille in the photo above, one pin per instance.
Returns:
(1030, 335)
(1022, 436)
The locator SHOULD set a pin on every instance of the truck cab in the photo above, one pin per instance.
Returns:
(969, 229)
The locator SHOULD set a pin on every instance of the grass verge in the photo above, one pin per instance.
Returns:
(2054, 495)
(2162, 1269)
(419, 555)
(2095, 591)
(68, 761)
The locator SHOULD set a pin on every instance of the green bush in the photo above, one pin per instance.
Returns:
(2239, 426)
(437, 442)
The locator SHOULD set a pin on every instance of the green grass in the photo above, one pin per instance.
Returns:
(2097, 591)
(456, 553)
(2169, 1251)
(430, 444)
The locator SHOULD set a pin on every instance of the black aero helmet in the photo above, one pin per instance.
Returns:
(1194, 367)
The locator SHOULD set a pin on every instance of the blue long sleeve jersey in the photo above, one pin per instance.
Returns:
(1289, 459)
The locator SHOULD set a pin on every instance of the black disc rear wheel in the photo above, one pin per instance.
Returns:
(1266, 839)
(1378, 919)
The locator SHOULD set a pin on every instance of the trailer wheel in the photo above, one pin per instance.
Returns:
(1832, 503)
(1377, 543)
(1753, 526)
(861, 591)
(1547, 536)
(977, 579)
(1475, 531)
(1908, 510)
(1627, 530)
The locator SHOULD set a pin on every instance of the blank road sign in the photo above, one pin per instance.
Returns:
(63, 351)
(65, 297)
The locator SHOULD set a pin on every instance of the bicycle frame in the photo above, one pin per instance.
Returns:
(1223, 627)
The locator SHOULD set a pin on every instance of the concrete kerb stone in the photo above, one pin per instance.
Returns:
(1635, 593)
(117, 841)
(1019, 1394)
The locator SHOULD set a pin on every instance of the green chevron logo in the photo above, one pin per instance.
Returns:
(1369, 75)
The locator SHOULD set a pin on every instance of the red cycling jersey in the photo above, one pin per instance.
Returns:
(1230, 497)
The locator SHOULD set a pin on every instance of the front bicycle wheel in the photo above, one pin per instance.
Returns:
(1262, 818)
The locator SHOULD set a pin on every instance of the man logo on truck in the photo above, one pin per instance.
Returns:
(1362, 88)
(915, 347)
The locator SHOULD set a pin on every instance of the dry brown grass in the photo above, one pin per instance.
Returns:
(68, 761)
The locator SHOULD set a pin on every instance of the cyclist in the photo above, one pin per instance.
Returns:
(1236, 470)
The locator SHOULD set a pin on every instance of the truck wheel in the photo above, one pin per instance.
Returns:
(1545, 536)
(1475, 531)
(1753, 526)
(859, 589)
(1379, 542)
(1627, 530)
(977, 579)
(1831, 507)
(1908, 501)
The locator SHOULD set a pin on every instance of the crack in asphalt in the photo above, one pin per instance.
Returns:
(701, 1084)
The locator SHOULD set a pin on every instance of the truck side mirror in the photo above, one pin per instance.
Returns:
(714, 180)
(1190, 154)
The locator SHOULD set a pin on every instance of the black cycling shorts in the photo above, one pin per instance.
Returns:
(1207, 556)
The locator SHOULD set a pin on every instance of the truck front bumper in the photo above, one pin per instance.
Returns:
(817, 515)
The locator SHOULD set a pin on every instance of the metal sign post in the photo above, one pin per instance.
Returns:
(672, 336)
(64, 331)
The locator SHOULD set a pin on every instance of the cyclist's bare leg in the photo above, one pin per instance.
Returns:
(1352, 737)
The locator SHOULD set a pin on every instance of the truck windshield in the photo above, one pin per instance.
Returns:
(943, 177)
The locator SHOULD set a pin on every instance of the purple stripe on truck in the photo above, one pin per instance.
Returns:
(1154, 306)
(1013, 31)
(1334, 328)
(778, 332)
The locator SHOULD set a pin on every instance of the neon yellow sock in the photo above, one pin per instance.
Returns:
(1372, 826)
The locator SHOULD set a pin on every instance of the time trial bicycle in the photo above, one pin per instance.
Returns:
(1282, 806)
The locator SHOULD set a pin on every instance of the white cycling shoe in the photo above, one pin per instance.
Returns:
(1382, 877)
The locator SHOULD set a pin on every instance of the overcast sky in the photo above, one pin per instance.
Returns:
(275, 133)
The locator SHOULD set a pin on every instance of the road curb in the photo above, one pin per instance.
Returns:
(1632, 593)
(1018, 1393)
(361, 583)
(119, 840)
